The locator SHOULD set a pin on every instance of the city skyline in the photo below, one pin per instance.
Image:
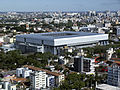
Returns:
(59, 5)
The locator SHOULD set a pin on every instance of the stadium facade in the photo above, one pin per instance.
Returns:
(53, 41)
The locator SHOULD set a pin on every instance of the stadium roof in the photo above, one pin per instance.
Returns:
(57, 35)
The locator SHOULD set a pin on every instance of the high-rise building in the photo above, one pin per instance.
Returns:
(114, 74)
(84, 65)
(50, 81)
(19, 72)
(26, 72)
(38, 80)
(23, 72)
(78, 64)
(57, 76)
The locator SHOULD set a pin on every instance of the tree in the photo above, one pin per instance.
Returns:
(66, 72)
(58, 67)
(73, 81)
(118, 53)
(14, 59)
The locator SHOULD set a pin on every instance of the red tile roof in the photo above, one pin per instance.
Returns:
(47, 71)
(19, 79)
(117, 62)
(115, 58)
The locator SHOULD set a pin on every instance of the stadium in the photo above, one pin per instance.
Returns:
(53, 41)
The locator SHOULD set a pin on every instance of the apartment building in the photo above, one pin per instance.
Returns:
(23, 72)
(7, 86)
(58, 77)
(114, 74)
(84, 65)
(50, 81)
(38, 80)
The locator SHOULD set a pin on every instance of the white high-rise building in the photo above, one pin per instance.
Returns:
(19, 72)
(23, 72)
(110, 52)
(38, 80)
(26, 72)
(45, 73)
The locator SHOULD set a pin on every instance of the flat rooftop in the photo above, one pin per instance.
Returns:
(57, 35)
(107, 87)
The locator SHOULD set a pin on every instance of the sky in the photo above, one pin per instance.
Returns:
(59, 5)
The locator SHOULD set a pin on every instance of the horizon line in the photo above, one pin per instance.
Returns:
(65, 11)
